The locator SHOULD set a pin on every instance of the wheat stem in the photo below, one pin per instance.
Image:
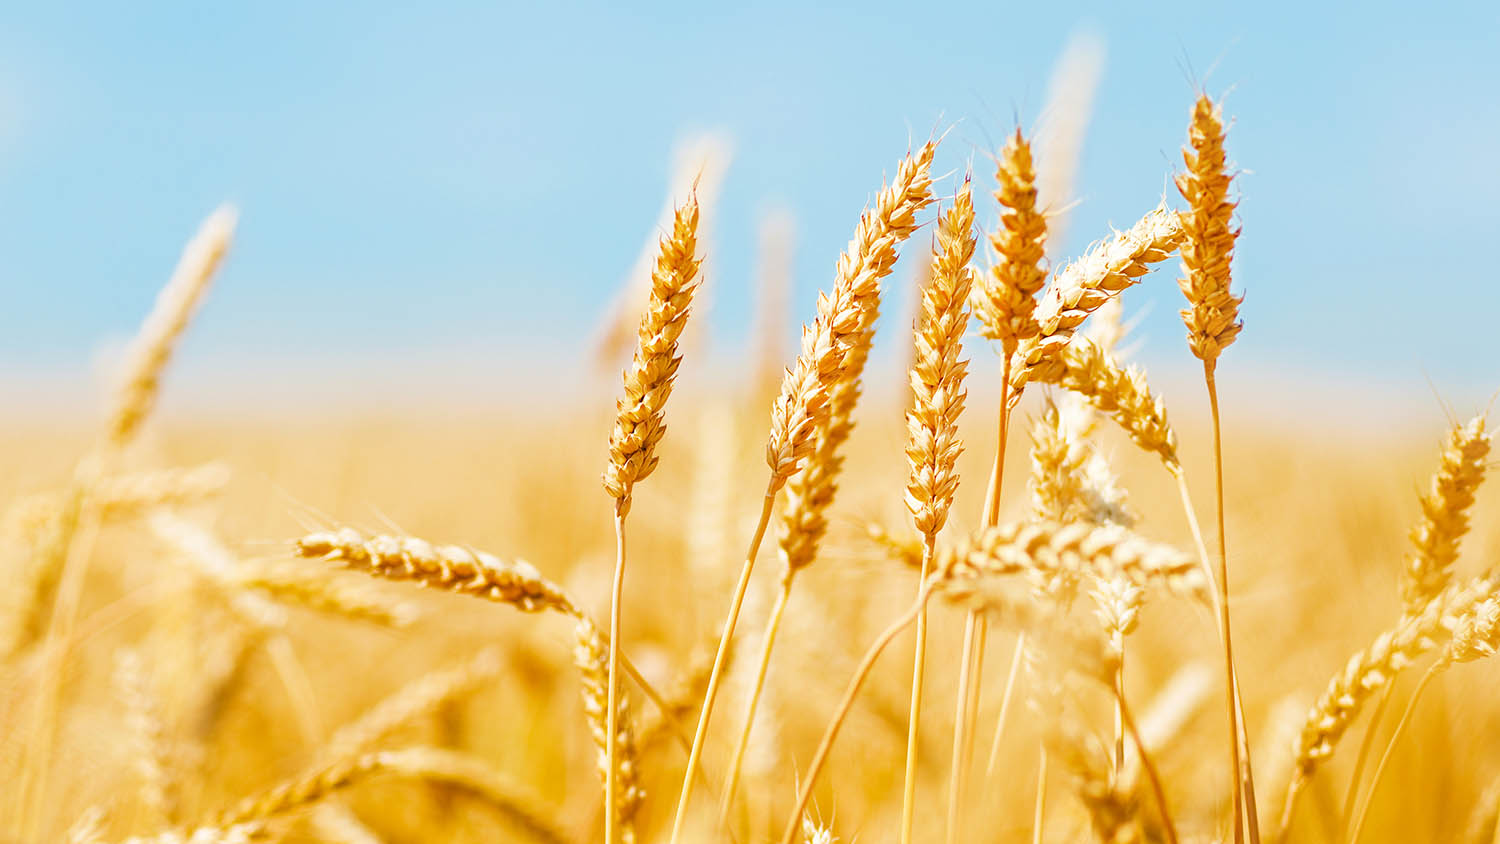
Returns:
(1390, 745)
(1005, 699)
(841, 712)
(1039, 803)
(612, 714)
(1366, 744)
(720, 657)
(914, 715)
(1238, 802)
(773, 624)
(1150, 767)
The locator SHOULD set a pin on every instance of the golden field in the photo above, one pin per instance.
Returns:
(187, 674)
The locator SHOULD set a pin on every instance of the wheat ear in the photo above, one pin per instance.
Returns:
(801, 413)
(1476, 637)
(1427, 569)
(147, 732)
(1370, 670)
(932, 441)
(158, 335)
(447, 568)
(1445, 514)
(1084, 286)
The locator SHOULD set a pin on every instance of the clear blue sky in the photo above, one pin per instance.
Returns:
(426, 180)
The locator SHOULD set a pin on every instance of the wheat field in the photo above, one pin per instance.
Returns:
(1032, 606)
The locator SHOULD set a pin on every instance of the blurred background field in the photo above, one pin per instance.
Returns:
(443, 214)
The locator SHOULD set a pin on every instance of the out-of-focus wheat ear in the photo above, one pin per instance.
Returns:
(1370, 670)
(640, 419)
(143, 717)
(420, 697)
(846, 317)
(1445, 514)
(1084, 286)
(175, 305)
(591, 656)
(1212, 315)
(1121, 393)
(773, 293)
(699, 164)
(1006, 299)
(327, 594)
(1476, 637)
(1061, 128)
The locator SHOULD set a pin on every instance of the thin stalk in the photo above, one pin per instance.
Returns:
(611, 720)
(717, 673)
(1005, 698)
(975, 628)
(825, 745)
(1390, 745)
(1294, 791)
(1229, 674)
(1150, 767)
(956, 778)
(1366, 744)
(1039, 808)
(1119, 760)
(914, 717)
(772, 625)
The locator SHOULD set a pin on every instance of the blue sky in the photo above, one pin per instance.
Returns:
(465, 185)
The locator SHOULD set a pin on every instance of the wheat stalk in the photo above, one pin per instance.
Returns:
(932, 441)
(801, 414)
(1212, 320)
(618, 765)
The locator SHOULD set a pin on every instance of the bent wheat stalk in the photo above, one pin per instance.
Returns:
(803, 409)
